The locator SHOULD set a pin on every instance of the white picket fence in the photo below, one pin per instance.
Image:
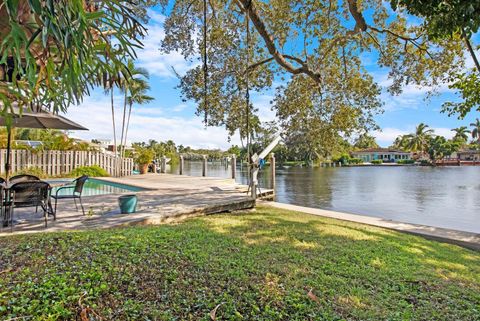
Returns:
(57, 163)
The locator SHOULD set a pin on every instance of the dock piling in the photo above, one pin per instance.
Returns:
(204, 166)
(163, 166)
(272, 171)
(233, 163)
(181, 165)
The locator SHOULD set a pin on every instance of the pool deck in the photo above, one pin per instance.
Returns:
(168, 198)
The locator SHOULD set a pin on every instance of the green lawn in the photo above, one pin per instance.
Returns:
(256, 266)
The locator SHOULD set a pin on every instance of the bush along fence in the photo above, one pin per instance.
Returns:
(57, 163)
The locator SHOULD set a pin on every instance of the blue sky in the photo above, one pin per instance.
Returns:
(167, 117)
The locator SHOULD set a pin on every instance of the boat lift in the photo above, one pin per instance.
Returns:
(256, 163)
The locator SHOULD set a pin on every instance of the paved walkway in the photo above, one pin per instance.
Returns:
(170, 197)
(465, 239)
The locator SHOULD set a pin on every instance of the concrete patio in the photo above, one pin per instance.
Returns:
(168, 198)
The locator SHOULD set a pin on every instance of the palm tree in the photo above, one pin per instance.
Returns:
(138, 90)
(461, 133)
(109, 81)
(132, 75)
(401, 142)
(418, 141)
(476, 130)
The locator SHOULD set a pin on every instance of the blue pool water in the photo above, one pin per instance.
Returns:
(97, 187)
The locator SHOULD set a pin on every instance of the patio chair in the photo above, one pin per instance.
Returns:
(77, 190)
(28, 194)
(23, 178)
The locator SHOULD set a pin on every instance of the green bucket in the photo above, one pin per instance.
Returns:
(127, 203)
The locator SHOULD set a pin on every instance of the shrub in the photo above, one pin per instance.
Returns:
(36, 171)
(144, 156)
(425, 162)
(405, 161)
(355, 161)
(91, 171)
(344, 159)
(377, 161)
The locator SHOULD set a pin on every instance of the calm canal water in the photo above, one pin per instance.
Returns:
(446, 197)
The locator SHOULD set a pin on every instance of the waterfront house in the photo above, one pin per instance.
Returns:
(469, 155)
(387, 155)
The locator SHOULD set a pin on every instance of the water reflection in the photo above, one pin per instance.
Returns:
(446, 197)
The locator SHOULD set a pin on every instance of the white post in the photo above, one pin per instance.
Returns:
(272, 171)
(204, 166)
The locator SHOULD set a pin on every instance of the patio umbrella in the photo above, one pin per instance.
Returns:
(42, 120)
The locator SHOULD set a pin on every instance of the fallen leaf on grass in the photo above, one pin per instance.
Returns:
(6, 271)
(84, 315)
(213, 313)
(313, 296)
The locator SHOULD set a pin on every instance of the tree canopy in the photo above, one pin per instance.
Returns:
(310, 51)
(53, 52)
(451, 20)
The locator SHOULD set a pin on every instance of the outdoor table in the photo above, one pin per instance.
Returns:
(6, 187)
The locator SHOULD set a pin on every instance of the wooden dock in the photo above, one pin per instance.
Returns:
(166, 198)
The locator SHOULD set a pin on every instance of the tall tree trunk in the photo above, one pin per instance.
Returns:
(122, 147)
(114, 130)
(113, 122)
(126, 128)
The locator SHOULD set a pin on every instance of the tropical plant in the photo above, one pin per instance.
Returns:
(90, 171)
(51, 139)
(419, 140)
(365, 141)
(439, 147)
(461, 134)
(51, 50)
(143, 157)
(405, 161)
(476, 130)
(401, 142)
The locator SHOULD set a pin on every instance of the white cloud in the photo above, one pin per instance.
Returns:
(262, 103)
(180, 107)
(388, 135)
(442, 131)
(146, 123)
(152, 59)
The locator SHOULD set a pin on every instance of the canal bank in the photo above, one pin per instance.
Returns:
(461, 238)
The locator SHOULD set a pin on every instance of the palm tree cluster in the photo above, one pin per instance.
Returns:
(133, 83)
(422, 140)
(476, 130)
(417, 141)
(52, 139)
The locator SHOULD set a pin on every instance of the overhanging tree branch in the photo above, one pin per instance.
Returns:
(249, 8)
(470, 49)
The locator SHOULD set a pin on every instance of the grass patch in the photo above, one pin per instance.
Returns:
(271, 264)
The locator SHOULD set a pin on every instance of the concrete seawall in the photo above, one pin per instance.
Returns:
(461, 238)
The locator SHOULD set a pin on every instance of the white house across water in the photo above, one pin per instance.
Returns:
(385, 154)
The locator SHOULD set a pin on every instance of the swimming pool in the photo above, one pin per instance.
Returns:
(97, 187)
